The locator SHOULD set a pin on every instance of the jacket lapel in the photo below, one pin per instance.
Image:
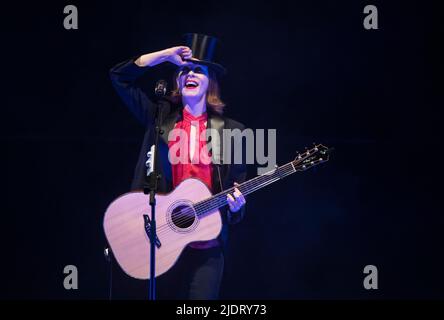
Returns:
(217, 123)
(214, 122)
(168, 124)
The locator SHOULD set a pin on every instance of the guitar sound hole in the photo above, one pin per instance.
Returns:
(183, 216)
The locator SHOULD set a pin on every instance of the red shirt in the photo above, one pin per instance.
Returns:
(200, 165)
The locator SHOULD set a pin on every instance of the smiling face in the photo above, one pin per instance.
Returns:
(193, 81)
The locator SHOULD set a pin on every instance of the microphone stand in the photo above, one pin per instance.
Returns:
(154, 176)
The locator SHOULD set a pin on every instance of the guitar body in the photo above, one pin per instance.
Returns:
(177, 226)
(188, 214)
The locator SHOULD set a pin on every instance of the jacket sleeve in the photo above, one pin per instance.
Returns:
(123, 77)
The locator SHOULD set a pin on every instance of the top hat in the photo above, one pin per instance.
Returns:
(202, 47)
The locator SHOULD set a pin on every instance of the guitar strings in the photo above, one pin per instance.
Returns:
(255, 186)
(206, 206)
(218, 201)
(283, 170)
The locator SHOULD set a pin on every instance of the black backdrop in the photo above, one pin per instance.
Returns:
(306, 68)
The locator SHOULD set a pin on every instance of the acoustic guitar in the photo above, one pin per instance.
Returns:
(189, 213)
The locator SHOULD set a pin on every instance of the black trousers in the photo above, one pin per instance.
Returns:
(197, 275)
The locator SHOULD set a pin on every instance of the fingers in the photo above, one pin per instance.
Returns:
(239, 197)
(184, 63)
(185, 52)
(237, 200)
(180, 56)
(231, 202)
(181, 49)
(187, 55)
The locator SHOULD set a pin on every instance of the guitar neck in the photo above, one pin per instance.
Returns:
(247, 187)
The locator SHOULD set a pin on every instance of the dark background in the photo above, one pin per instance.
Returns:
(306, 68)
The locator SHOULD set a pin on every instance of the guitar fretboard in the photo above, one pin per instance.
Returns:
(247, 187)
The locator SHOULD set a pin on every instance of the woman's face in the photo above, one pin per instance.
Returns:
(193, 81)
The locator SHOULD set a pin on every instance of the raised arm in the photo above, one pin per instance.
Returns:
(125, 74)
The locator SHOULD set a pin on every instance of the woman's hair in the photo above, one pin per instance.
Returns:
(214, 101)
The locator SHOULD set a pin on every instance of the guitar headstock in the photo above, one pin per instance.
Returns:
(311, 157)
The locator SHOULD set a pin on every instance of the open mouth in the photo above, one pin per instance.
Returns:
(191, 84)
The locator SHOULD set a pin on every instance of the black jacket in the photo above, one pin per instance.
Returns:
(124, 78)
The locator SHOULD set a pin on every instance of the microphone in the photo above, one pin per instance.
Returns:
(163, 107)
(161, 88)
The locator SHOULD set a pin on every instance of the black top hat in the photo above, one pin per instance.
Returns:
(203, 47)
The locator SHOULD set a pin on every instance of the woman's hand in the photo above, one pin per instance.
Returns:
(236, 202)
(177, 55)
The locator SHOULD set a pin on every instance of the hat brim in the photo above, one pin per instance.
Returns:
(215, 66)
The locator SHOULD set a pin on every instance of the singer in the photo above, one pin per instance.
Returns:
(194, 105)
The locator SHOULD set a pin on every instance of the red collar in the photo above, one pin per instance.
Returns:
(187, 116)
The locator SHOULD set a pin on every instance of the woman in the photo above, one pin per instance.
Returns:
(194, 106)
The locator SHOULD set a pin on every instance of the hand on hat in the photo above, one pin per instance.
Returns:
(177, 55)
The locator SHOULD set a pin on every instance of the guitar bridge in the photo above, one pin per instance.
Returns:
(147, 220)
